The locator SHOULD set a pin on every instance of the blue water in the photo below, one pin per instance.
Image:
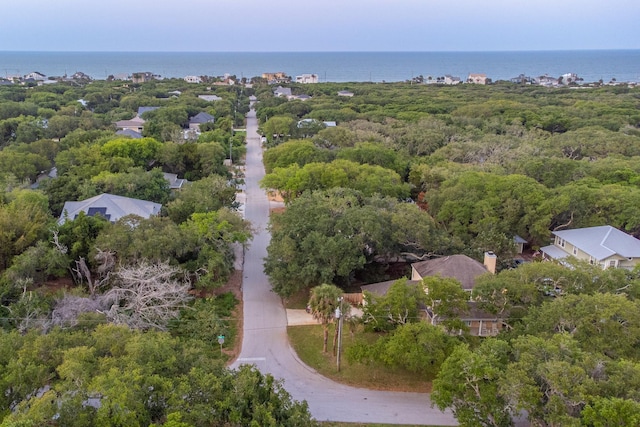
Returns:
(591, 65)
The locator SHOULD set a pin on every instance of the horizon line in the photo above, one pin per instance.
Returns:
(324, 51)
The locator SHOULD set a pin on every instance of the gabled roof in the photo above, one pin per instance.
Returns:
(382, 288)
(110, 206)
(282, 91)
(460, 267)
(602, 242)
(142, 110)
(210, 98)
(175, 183)
(202, 118)
(130, 133)
(137, 121)
(518, 239)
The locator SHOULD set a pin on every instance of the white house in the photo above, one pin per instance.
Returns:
(307, 78)
(193, 79)
(39, 77)
(604, 245)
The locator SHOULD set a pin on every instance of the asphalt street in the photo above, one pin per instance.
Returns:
(265, 343)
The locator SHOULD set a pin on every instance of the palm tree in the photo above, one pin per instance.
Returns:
(323, 303)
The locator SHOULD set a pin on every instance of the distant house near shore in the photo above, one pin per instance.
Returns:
(193, 79)
(451, 80)
(307, 78)
(38, 77)
(345, 93)
(276, 78)
(143, 77)
(478, 79)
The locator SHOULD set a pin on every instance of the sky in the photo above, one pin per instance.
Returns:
(327, 25)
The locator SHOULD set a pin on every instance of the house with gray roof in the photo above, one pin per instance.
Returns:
(210, 98)
(142, 110)
(130, 133)
(604, 245)
(109, 206)
(199, 119)
(282, 91)
(460, 267)
(175, 183)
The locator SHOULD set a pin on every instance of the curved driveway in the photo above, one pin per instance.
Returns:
(265, 342)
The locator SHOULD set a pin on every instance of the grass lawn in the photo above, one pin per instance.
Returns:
(307, 342)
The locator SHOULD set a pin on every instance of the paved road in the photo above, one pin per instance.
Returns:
(265, 341)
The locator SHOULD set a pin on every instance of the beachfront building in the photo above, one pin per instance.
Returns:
(307, 78)
(193, 79)
(478, 79)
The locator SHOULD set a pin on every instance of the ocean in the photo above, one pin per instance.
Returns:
(591, 65)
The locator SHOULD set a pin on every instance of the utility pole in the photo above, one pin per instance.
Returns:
(339, 316)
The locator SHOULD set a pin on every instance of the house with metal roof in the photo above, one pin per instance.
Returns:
(604, 245)
(109, 206)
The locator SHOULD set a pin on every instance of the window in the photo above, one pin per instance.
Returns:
(613, 263)
(575, 250)
(591, 260)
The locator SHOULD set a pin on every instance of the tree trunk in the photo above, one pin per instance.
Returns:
(326, 337)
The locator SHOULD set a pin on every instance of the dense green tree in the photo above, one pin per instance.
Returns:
(447, 301)
(277, 128)
(132, 379)
(417, 347)
(468, 384)
(603, 323)
(135, 183)
(294, 180)
(208, 194)
(24, 219)
(135, 239)
(399, 306)
(140, 151)
(328, 236)
(298, 152)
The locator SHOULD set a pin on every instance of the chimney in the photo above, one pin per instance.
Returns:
(490, 260)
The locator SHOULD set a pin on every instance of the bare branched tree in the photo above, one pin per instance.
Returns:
(146, 296)
(68, 308)
(56, 242)
(106, 262)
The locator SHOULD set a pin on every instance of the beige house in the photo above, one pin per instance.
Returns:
(479, 322)
(604, 245)
(136, 124)
(478, 79)
(465, 270)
